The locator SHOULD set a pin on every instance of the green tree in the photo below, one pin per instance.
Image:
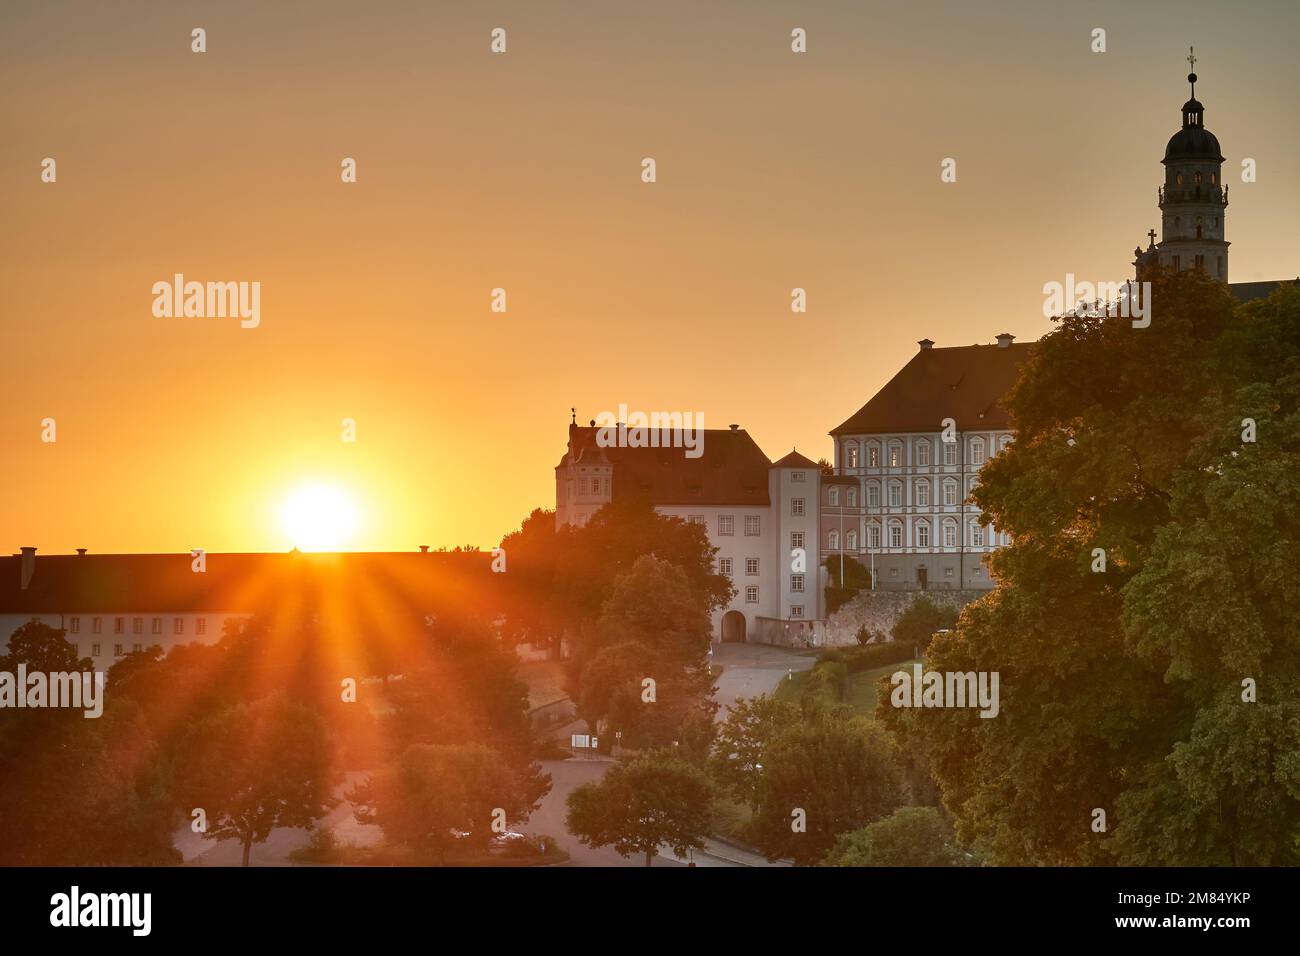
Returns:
(826, 775)
(743, 739)
(1151, 573)
(910, 836)
(921, 620)
(655, 799)
(255, 767)
(432, 792)
(652, 626)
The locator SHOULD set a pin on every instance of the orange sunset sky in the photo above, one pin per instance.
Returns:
(522, 171)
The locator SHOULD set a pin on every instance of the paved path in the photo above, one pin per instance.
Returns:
(753, 669)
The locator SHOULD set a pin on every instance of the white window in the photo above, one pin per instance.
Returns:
(157, 625)
(136, 648)
(833, 496)
(796, 476)
(796, 506)
(895, 535)
(977, 451)
(595, 486)
(873, 495)
(751, 525)
(796, 610)
(96, 625)
(724, 566)
(852, 539)
(178, 625)
(119, 625)
(137, 625)
(976, 535)
(696, 519)
(895, 454)
(833, 540)
(853, 497)
(895, 494)
(751, 595)
(726, 524)
(947, 572)
(94, 650)
(923, 535)
(922, 452)
(751, 566)
(796, 583)
(1006, 440)
(117, 650)
(74, 625)
(873, 455)
(950, 453)
(851, 455)
(796, 539)
(873, 535)
(923, 494)
(950, 534)
(949, 492)
(201, 625)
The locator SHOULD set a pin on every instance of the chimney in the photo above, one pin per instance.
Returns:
(424, 549)
(926, 344)
(735, 428)
(29, 566)
(81, 552)
(1005, 340)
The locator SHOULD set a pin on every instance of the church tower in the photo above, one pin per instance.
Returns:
(1192, 200)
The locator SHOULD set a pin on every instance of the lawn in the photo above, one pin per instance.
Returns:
(859, 687)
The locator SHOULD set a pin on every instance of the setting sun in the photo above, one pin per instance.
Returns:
(318, 517)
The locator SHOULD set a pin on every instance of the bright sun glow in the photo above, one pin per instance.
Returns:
(318, 517)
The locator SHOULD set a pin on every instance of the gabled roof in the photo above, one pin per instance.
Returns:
(795, 460)
(732, 469)
(238, 583)
(965, 383)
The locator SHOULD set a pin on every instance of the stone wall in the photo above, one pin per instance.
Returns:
(880, 610)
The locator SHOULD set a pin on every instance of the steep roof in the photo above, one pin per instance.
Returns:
(965, 383)
(795, 460)
(236, 583)
(732, 469)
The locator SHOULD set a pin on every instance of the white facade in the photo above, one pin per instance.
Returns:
(113, 636)
(900, 504)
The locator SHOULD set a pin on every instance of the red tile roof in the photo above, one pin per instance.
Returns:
(795, 460)
(731, 471)
(965, 383)
(236, 583)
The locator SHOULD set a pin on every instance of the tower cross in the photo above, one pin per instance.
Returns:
(1191, 56)
(1151, 234)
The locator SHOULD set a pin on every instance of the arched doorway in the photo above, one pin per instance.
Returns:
(733, 628)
